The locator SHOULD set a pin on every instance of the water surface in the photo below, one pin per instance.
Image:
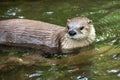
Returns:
(101, 62)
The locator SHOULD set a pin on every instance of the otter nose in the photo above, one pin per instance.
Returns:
(72, 33)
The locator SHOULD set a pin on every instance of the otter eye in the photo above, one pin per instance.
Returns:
(81, 28)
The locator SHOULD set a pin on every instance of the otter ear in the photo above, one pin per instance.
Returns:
(90, 22)
(68, 20)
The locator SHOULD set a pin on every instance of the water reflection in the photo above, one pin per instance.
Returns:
(118, 75)
(82, 78)
(35, 75)
(116, 56)
(56, 73)
(50, 12)
(12, 12)
(112, 71)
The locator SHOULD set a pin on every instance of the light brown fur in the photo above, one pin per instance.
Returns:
(68, 43)
(46, 37)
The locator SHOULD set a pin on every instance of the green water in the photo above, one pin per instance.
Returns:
(102, 62)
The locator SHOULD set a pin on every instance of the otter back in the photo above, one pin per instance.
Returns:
(30, 33)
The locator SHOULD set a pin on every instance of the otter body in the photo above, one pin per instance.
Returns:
(46, 37)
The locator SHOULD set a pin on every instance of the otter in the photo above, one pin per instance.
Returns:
(48, 38)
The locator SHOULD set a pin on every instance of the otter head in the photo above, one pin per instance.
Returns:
(79, 28)
(79, 33)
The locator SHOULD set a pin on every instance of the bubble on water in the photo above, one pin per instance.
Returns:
(112, 71)
(73, 70)
(50, 12)
(12, 11)
(82, 78)
(118, 74)
(37, 74)
(34, 75)
(13, 14)
(21, 17)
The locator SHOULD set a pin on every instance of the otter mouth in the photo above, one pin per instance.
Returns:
(72, 34)
(76, 36)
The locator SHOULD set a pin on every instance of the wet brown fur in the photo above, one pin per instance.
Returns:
(35, 34)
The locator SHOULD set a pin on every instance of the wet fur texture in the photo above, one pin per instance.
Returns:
(47, 37)
(83, 37)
